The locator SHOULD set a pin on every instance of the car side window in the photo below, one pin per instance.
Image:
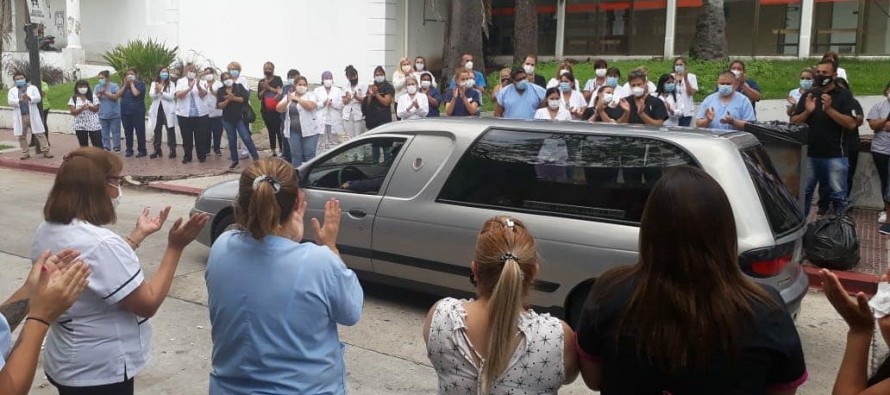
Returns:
(360, 167)
(584, 176)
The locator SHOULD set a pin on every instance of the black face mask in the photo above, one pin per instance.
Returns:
(353, 81)
(267, 73)
(820, 80)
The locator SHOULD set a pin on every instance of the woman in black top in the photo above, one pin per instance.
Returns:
(231, 98)
(376, 105)
(268, 91)
(604, 108)
(685, 320)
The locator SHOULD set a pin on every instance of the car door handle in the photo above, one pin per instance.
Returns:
(357, 213)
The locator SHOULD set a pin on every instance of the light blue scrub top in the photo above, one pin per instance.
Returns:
(739, 107)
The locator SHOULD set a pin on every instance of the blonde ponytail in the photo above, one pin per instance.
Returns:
(504, 308)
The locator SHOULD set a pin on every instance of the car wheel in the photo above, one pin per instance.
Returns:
(575, 302)
(225, 224)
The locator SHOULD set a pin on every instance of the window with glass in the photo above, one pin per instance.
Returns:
(835, 25)
(763, 27)
(614, 27)
(581, 176)
(876, 28)
(360, 167)
(778, 27)
(500, 32)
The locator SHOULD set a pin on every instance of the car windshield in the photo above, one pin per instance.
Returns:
(781, 209)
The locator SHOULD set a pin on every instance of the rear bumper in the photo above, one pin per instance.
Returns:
(204, 237)
(794, 293)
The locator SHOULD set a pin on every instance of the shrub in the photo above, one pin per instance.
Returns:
(49, 73)
(145, 56)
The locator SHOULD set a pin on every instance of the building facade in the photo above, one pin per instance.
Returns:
(785, 28)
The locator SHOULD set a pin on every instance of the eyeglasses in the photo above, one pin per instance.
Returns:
(116, 181)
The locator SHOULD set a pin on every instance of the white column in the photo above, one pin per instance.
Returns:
(72, 8)
(806, 29)
(670, 28)
(560, 28)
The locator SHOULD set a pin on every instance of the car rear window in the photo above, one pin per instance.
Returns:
(594, 177)
(781, 209)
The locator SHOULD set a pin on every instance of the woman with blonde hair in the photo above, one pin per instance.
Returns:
(255, 272)
(486, 345)
(104, 339)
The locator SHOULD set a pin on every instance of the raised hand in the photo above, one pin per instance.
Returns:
(624, 105)
(146, 225)
(710, 114)
(826, 101)
(297, 226)
(58, 289)
(182, 234)
(810, 104)
(855, 311)
(326, 234)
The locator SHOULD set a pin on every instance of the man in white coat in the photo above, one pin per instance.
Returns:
(26, 120)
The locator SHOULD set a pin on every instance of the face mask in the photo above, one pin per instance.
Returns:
(725, 90)
(353, 81)
(165, 75)
(208, 77)
(553, 104)
(469, 83)
(328, 83)
(101, 81)
(131, 77)
(679, 68)
(822, 80)
(469, 65)
(607, 98)
(191, 75)
(612, 81)
(520, 86)
(564, 86)
(600, 73)
(637, 91)
(806, 84)
(301, 89)
(120, 194)
(406, 69)
(228, 83)
(737, 73)
(529, 69)
(82, 90)
(379, 79)
(234, 73)
(669, 87)
(21, 83)
(267, 73)
(425, 84)
(419, 66)
(290, 81)
(412, 89)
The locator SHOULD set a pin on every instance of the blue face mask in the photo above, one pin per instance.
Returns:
(101, 81)
(20, 83)
(725, 90)
(806, 84)
(679, 68)
(234, 73)
(520, 85)
(669, 87)
(612, 81)
(165, 75)
(564, 86)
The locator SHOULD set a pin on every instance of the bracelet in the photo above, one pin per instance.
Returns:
(133, 244)
(38, 320)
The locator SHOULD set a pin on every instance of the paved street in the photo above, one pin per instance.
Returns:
(384, 352)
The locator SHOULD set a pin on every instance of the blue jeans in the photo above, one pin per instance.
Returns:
(235, 129)
(302, 149)
(831, 173)
(111, 133)
(134, 123)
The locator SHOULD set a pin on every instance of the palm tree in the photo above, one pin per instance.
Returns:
(710, 32)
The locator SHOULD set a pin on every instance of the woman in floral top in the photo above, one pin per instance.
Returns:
(85, 108)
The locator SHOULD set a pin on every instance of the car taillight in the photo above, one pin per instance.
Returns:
(767, 262)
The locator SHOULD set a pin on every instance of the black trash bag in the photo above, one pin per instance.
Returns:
(832, 243)
(779, 131)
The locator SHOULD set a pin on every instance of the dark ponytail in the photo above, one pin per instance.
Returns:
(267, 195)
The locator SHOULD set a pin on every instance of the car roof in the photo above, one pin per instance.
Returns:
(472, 127)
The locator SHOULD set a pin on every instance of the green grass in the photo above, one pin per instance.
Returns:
(775, 77)
(5, 147)
(59, 95)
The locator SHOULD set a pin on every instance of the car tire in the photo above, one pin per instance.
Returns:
(225, 223)
(575, 302)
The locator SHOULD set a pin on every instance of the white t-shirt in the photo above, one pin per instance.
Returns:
(685, 101)
(561, 115)
(575, 102)
(671, 105)
(841, 73)
(794, 94)
(5, 341)
(96, 341)
(211, 101)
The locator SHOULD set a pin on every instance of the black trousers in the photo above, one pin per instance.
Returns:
(195, 133)
(85, 137)
(273, 124)
(123, 388)
(216, 132)
(160, 125)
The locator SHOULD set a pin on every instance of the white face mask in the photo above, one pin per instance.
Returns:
(419, 66)
(469, 83)
(379, 79)
(600, 73)
(228, 83)
(328, 83)
(469, 65)
(529, 69)
(190, 75)
(208, 77)
(301, 89)
(553, 104)
(82, 90)
(412, 89)
(637, 91)
(406, 68)
(607, 98)
(116, 201)
(425, 84)
(737, 73)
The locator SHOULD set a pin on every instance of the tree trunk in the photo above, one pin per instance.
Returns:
(5, 25)
(463, 34)
(710, 33)
(525, 30)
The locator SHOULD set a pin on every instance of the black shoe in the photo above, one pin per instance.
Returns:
(128, 154)
(156, 154)
(186, 160)
(141, 154)
(172, 155)
(202, 160)
(233, 166)
(884, 229)
(218, 152)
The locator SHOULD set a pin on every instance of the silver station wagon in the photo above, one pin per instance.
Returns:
(414, 195)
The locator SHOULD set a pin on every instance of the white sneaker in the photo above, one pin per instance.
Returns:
(882, 218)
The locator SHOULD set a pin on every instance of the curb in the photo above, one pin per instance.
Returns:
(173, 188)
(19, 164)
(853, 282)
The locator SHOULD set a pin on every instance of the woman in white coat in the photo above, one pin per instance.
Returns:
(354, 94)
(413, 105)
(329, 111)
(162, 113)
(300, 127)
(23, 99)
